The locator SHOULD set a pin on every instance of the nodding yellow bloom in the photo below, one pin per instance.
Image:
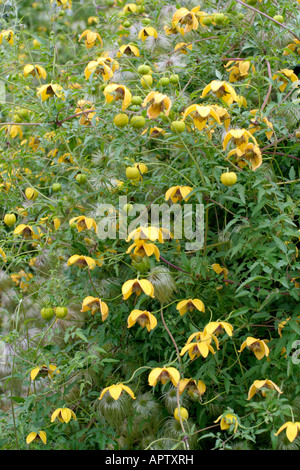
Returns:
(3, 255)
(284, 76)
(195, 388)
(137, 286)
(222, 90)
(262, 385)
(220, 270)
(200, 115)
(178, 193)
(14, 131)
(258, 346)
(293, 47)
(63, 3)
(227, 420)
(217, 327)
(201, 347)
(239, 71)
(130, 8)
(34, 70)
(93, 20)
(63, 414)
(240, 138)
(183, 47)
(186, 18)
(84, 223)
(256, 124)
(142, 249)
(173, 30)
(146, 32)
(159, 103)
(82, 261)
(36, 435)
(163, 375)
(149, 233)
(129, 50)
(104, 66)
(43, 371)
(7, 34)
(114, 92)
(51, 89)
(190, 305)
(250, 156)
(26, 231)
(143, 318)
(292, 430)
(88, 112)
(116, 390)
(95, 305)
(90, 38)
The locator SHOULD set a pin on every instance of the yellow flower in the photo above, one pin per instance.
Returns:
(36, 435)
(82, 261)
(117, 92)
(262, 384)
(50, 89)
(178, 193)
(146, 32)
(194, 388)
(292, 47)
(84, 223)
(183, 47)
(93, 20)
(284, 76)
(95, 305)
(130, 8)
(34, 70)
(292, 430)
(90, 38)
(2, 254)
(222, 90)
(7, 34)
(143, 318)
(281, 325)
(104, 66)
(239, 70)
(26, 231)
(216, 327)
(63, 414)
(129, 50)
(220, 269)
(116, 390)
(258, 346)
(14, 131)
(250, 155)
(240, 138)
(190, 305)
(163, 375)
(43, 370)
(227, 420)
(256, 126)
(136, 286)
(142, 249)
(87, 112)
(201, 347)
(200, 115)
(158, 103)
(149, 233)
(186, 18)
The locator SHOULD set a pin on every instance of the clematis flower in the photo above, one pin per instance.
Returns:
(26, 231)
(7, 34)
(159, 103)
(220, 269)
(178, 193)
(90, 38)
(117, 92)
(143, 318)
(142, 249)
(51, 89)
(82, 261)
(190, 305)
(136, 286)
(147, 31)
(199, 348)
(14, 131)
(116, 390)
(186, 18)
(129, 50)
(200, 115)
(163, 375)
(95, 305)
(130, 8)
(3, 255)
(240, 138)
(43, 371)
(256, 125)
(34, 70)
(104, 66)
(226, 420)
(250, 156)
(86, 111)
(292, 430)
(36, 435)
(216, 327)
(262, 385)
(183, 47)
(84, 223)
(258, 346)
(239, 71)
(222, 90)
(292, 47)
(195, 388)
(148, 233)
(284, 76)
(63, 414)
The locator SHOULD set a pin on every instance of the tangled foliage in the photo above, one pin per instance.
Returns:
(143, 339)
